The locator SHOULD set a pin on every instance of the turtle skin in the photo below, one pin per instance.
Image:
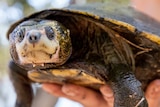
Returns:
(118, 48)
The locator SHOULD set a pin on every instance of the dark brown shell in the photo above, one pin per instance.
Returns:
(138, 30)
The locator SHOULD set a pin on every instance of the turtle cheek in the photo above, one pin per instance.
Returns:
(66, 49)
(21, 50)
(13, 51)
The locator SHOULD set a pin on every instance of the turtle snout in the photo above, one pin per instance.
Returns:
(34, 37)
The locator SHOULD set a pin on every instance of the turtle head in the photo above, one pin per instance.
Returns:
(40, 42)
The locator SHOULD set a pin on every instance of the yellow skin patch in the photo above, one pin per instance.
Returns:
(45, 49)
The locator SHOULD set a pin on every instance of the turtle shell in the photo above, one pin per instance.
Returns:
(138, 30)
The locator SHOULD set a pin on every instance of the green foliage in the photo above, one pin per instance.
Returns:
(4, 59)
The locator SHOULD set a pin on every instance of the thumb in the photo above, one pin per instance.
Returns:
(108, 94)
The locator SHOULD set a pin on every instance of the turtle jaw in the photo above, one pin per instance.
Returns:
(39, 57)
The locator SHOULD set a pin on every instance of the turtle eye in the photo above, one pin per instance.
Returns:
(20, 34)
(60, 30)
(49, 32)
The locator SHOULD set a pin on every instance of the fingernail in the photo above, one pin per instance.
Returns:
(157, 89)
(157, 82)
(107, 91)
(157, 85)
(70, 91)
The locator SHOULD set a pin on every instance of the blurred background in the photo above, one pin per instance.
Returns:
(13, 10)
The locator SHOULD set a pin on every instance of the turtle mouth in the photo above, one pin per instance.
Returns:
(39, 57)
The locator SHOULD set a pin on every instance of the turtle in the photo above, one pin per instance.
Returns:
(89, 45)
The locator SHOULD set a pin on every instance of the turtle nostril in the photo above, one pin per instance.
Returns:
(34, 37)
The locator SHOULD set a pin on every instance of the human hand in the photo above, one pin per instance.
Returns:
(85, 96)
(149, 7)
(90, 98)
(153, 93)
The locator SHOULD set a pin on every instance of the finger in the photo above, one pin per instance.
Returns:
(85, 96)
(153, 93)
(153, 89)
(53, 89)
(107, 94)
